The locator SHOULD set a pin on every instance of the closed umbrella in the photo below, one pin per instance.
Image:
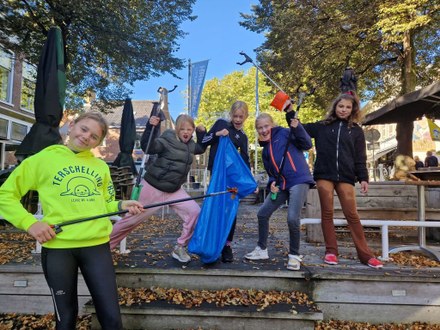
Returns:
(50, 92)
(127, 138)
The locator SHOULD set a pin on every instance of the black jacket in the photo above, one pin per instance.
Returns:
(340, 151)
(431, 161)
(238, 138)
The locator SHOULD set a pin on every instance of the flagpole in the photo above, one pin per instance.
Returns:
(189, 87)
(257, 112)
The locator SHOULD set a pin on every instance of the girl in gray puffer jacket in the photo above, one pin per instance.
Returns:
(163, 182)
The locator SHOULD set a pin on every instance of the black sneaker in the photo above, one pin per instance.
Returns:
(227, 255)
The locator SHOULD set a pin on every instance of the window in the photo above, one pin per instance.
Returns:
(5, 76)
(18, 131)
(28, 87)
(3, 129)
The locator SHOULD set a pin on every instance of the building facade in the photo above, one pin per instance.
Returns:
(17, 86)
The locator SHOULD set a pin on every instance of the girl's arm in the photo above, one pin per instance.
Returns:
(360, 156)
(311, 129)
(245, 153)
(157, 146)
(200, 133)
(211, 137)
(299, 136)
(20, 181)
(153, 122)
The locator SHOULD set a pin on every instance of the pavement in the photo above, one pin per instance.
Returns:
(152, 242)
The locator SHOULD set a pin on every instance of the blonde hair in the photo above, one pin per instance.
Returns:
(263, 116)
(239, 105)
(96, 116)
(183, 118)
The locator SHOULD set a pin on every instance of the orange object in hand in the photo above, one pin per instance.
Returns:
(280, 100)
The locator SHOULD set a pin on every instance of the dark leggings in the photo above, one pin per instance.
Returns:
(232, 231)
(60, 267)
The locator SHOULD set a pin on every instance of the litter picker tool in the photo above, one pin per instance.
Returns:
(247, 59)
(281, 97)
(58, 227)
(157, 107)
(137, 186)
(301, 94)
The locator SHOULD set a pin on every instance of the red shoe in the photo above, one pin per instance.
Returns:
(374, 263)
(331, 259)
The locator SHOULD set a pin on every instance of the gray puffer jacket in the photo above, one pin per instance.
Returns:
(174, 158)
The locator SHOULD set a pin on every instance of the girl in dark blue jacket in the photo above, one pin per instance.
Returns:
(291, 183)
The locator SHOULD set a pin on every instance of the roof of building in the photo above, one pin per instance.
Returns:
(141, 111)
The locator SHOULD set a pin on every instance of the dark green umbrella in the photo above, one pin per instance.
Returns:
(50, 92)
(127, 138)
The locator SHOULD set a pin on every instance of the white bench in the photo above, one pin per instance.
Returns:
(383, 224)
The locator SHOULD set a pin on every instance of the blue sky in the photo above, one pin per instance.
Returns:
(215, 36)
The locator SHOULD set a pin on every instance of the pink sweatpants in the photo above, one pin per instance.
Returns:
(188, 211)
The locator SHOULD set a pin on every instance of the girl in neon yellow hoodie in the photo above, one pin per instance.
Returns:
(71, 183)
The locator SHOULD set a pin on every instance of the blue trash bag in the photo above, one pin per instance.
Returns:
(218, 212)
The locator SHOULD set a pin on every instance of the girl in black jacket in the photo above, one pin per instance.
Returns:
(340, 162)
(234, 129)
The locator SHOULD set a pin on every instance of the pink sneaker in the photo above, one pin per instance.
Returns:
(374, 263)
(331, 259)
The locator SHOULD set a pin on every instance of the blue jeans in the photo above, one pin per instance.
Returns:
(297, 196)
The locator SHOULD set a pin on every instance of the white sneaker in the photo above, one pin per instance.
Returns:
(257, 254)
(294, 262)
(179, 253)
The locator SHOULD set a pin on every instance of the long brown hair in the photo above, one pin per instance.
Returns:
(355, 116)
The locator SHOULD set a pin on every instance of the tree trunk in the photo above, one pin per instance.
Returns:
(404, 129)
(404, 134)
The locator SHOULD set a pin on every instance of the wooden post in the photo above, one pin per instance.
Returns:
(313, 210)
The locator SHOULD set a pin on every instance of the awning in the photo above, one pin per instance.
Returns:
(381, 153)
(411, 106)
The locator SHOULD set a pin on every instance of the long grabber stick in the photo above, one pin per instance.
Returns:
(154, 112)
(247, 59)
(57, 228)
(135, 192)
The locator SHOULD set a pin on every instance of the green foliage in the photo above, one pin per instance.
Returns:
(313, 41)
(108, 44)
(393, 46)
(219, 94)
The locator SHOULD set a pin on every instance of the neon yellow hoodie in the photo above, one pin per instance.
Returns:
(70, 186)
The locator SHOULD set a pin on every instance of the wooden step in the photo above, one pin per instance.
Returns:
(225, 313)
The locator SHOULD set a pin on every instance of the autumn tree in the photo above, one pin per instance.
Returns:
(392, 45)
(108, 44)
